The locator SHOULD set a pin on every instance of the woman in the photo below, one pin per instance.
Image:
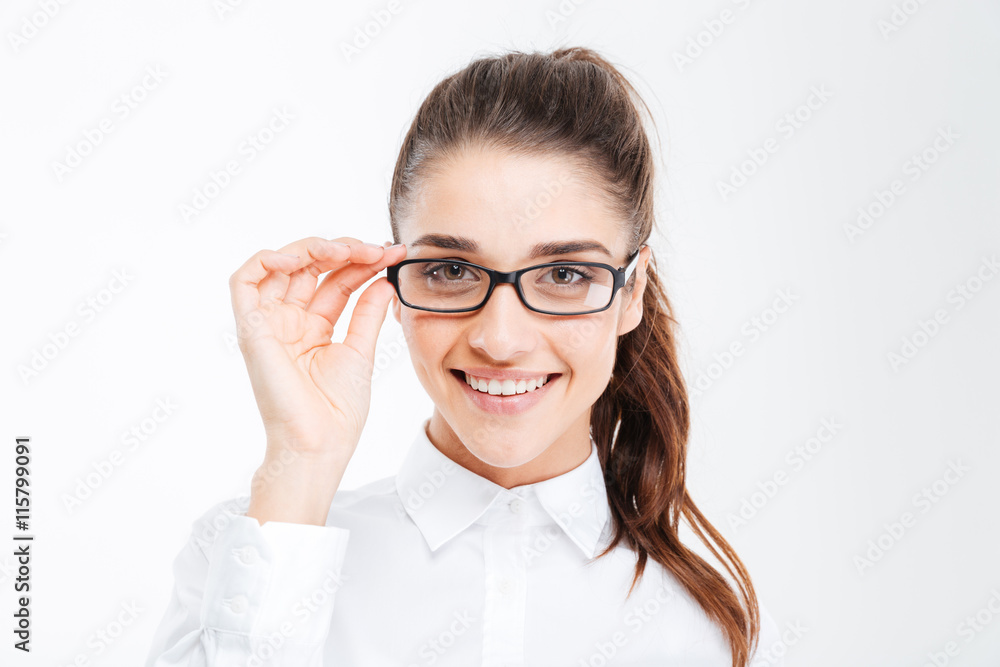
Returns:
(535, 518)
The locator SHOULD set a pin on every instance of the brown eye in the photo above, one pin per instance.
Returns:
(570, 275)
(443, 272)
(565, 275)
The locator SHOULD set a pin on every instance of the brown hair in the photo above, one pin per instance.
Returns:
(574, 103)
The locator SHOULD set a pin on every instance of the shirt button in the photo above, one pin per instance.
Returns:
(505, 586)
(248, 555)
(239, 604)
(516, 505)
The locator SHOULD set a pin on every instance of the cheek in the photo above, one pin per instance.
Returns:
(427, 337)
(588, 345)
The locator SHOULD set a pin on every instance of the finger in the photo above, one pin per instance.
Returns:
(317, 255)
(368, 317)
(274, 287)
(244, 283)
(302, 283)
(269, 269)
(360, 251)
(336, 289)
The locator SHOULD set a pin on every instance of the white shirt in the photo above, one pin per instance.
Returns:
(435, 566)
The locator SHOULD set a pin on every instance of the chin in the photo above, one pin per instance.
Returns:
(494, 447)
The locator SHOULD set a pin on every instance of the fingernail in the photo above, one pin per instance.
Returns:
(398, 245)
(374, 245)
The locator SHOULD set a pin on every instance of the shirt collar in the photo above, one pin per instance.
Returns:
(443, 498)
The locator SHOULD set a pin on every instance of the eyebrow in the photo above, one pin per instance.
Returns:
(545, 249)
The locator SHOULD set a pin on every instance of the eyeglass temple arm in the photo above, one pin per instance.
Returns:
(635, 260)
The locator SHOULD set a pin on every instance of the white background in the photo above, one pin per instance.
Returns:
(168, 334)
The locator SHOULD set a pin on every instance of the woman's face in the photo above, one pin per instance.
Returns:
(505, 205)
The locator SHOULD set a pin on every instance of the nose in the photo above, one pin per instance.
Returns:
(503, 327)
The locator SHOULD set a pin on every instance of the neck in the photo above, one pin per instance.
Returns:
(567, 452)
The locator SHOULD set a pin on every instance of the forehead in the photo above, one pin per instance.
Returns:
(509, 209)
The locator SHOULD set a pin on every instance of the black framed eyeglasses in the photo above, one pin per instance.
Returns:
(554, 288)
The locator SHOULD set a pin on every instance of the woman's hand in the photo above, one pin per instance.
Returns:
(313, 394)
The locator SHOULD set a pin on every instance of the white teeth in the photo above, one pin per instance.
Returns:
(504, 387)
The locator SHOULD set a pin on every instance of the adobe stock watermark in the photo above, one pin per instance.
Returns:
(914, 167)
(269, 645)
(220, 521)
(220, 179)
(797, 457)
(786, 127)
(8, 568)
(272, 468)
(75, 153)
(751, 332)
(546, 195)
(248, 324)
(437, 646)
(712, 30)
(548, 535)
(32, 24)
(970, 628)
(900, 15)
(928, 329)
(364, 34)
(562, 12)
(104, 637)
(225, 513)
(103, 469)
(386, 354)
(223, 8)
(773, 654)
(635, 619)
(87, 310)
(895, 530)
(431, 483)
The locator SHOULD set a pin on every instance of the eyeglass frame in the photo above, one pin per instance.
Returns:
(620, 275)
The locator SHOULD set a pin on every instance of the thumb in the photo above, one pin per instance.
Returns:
(368, 317)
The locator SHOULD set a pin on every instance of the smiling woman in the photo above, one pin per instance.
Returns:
(535, 518)
(468, 209)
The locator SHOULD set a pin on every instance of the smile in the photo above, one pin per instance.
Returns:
(505, 387)
(508, 397)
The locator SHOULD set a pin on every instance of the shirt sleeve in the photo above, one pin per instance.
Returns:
(250, 594)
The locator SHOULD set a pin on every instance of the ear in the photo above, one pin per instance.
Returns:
(632, 313)
(395, 306)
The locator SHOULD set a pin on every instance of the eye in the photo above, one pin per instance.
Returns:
(569, 275)
(447, 271)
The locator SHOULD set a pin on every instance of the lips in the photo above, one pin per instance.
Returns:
(499, 404)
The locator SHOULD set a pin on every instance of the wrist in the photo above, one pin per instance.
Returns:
(294, 488)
